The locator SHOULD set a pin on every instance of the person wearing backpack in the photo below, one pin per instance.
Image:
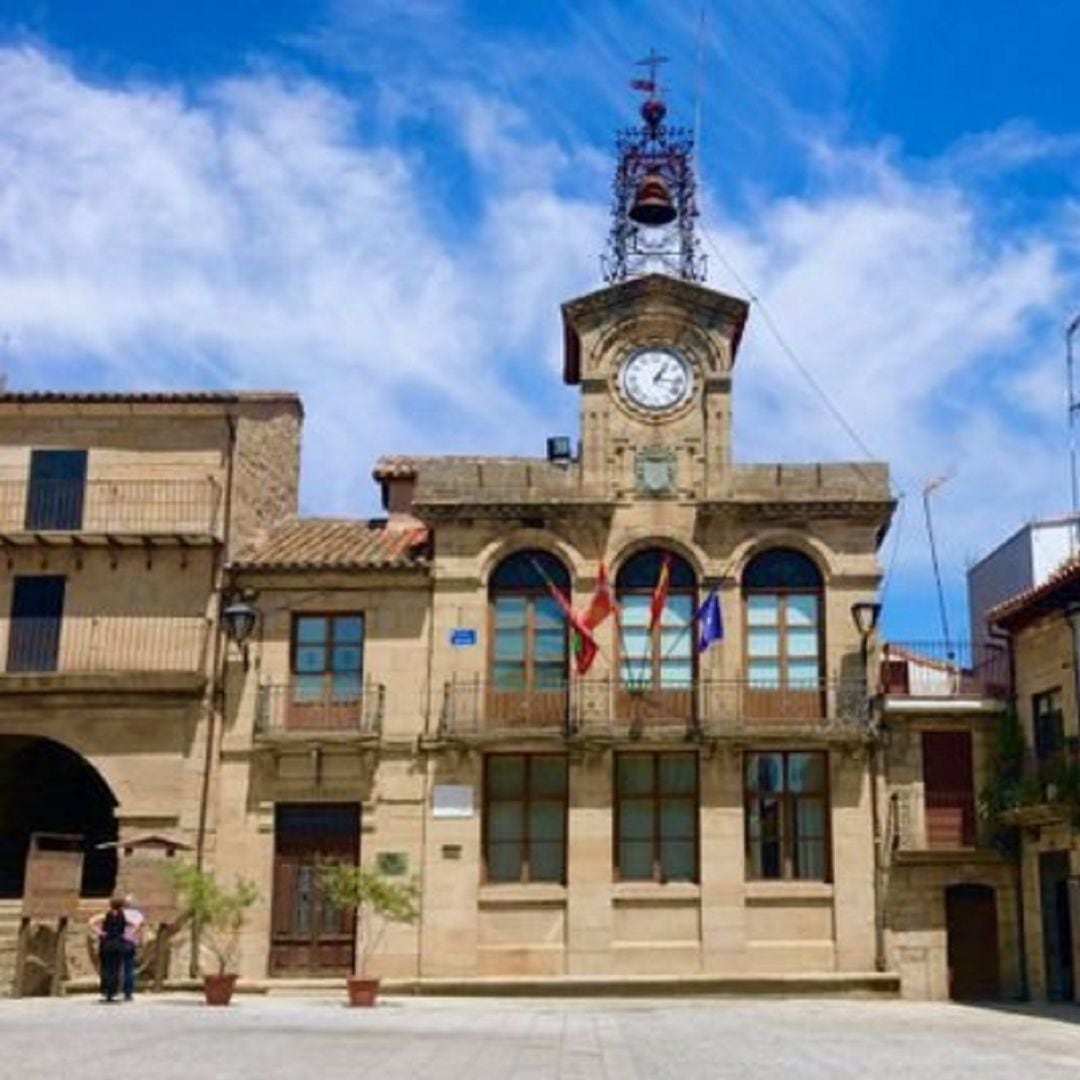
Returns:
(110, 928)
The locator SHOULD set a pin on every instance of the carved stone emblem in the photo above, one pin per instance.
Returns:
(655, 471)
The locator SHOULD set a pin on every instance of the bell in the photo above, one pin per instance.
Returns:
(652, 203)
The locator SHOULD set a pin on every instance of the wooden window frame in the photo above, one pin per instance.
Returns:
(655, 635)
(328, 645)
(788, 800)
(530, 595)
(657, 798)
(783, 594)
(527, 799)
(1038, 714)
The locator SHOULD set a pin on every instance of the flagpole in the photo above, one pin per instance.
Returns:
(568, 610)
(697, 615)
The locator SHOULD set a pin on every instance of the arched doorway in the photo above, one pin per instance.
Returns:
(45, 787)
(972, 939)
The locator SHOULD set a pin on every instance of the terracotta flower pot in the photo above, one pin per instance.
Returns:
(218, 989)
(362, 991)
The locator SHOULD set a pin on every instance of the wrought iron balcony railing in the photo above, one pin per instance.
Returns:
(107, 644)
(289, 709)
(142, 507)
(944, 669)
(610, 706)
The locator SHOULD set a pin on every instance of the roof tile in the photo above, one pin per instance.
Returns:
(322, 543)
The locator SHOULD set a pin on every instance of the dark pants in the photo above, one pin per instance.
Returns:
(129, 969)
(111, 960)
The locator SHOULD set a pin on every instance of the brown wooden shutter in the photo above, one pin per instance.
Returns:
(949, 789)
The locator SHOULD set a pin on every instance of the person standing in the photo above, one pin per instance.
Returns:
(110, 927)
(133, 928)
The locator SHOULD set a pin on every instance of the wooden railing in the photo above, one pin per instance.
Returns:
(112, 506)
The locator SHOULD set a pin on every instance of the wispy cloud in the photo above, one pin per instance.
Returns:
(273, 229)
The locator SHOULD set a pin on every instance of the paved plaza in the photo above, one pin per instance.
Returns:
(483, 1039)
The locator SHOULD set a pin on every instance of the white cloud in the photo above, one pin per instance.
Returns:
(256, 233)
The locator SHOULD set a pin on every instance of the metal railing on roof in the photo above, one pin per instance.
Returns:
(944, 669)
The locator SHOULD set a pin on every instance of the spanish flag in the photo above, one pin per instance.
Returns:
(659, 596)
(602, 603)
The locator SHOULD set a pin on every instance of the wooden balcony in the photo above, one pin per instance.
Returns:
(612, 708)
(58, 511)
(284, 712)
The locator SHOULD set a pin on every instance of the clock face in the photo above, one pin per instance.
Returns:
(656, 378)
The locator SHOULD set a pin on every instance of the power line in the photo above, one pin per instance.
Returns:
(789, 352)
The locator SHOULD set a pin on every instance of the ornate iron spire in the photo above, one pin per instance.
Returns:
(653, 206)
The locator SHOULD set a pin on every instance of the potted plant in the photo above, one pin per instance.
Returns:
(217, 916)
(377, 901)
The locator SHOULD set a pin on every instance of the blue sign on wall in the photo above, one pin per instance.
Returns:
(462, 636)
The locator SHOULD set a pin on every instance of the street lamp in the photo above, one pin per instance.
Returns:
(238, 619)
(865, 615)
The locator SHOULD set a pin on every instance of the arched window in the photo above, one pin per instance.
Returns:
(656, 654)
(782, 589)
(528, 631)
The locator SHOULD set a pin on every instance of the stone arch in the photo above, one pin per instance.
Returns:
(800, 542)
(498, 551)
(46, 786)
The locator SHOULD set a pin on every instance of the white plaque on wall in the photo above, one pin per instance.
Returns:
(452, 800)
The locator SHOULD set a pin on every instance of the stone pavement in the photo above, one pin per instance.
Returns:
(486, 1039)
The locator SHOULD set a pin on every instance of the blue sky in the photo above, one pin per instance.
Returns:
(382, 205)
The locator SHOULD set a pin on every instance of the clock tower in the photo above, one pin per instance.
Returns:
(653, 352)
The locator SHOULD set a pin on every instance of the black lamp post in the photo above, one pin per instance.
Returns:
(238, 619)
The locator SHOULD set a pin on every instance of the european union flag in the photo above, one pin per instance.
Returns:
(710, 622)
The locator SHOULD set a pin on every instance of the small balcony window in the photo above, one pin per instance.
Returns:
(37, 608)
(327, 660)
(55, 494)
(529, 655)
(782, 591)
(1048, 727)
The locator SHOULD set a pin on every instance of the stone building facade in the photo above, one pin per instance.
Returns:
(791, 802)
(118, 515)
(1044, 637)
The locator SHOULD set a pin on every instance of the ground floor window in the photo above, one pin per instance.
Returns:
(525, 797)
(787, 815)
(656, 807)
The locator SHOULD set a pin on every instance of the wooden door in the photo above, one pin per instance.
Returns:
(972, 937)
(949, 789)
(309, 936)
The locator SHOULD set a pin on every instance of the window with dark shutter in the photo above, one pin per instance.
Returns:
(55, 495)
(37, 607)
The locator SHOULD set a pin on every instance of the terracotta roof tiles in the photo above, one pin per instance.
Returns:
(338, 543)
(1017, 606)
